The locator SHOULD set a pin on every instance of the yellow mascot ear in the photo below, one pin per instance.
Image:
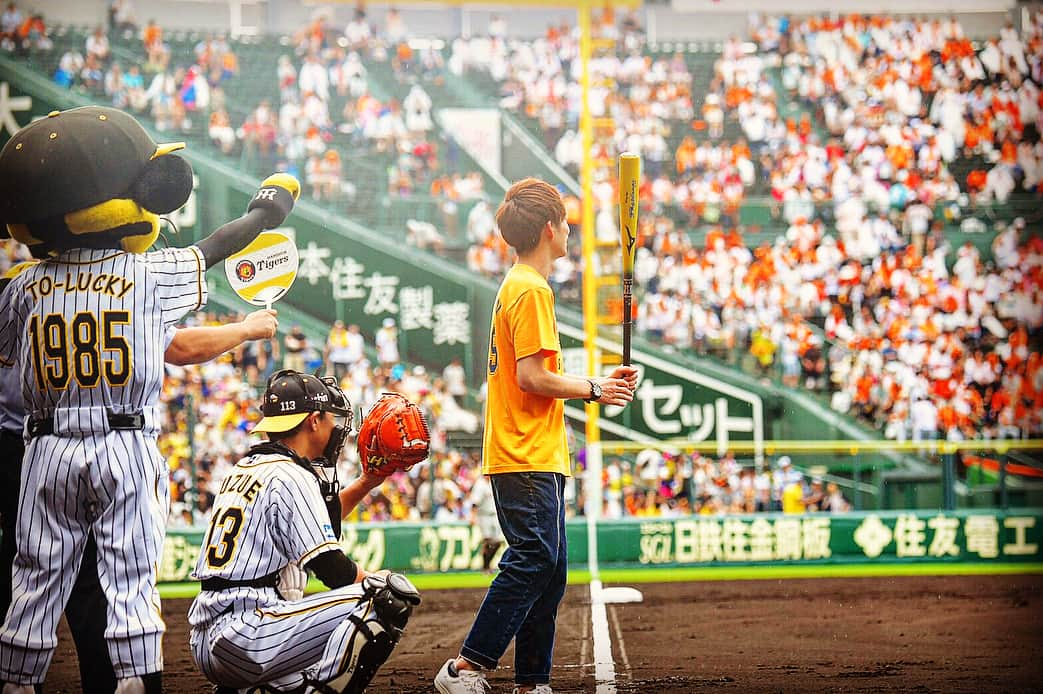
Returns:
(21, 233)
(18, 269)
(141, 242)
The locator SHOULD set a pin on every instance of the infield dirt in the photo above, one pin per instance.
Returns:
(923, 634)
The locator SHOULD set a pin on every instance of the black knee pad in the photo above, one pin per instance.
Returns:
(394, 596)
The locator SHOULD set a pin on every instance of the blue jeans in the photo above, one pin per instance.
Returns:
(522, 602)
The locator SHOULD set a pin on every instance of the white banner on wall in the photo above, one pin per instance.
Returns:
(801, 7)
(478, 132)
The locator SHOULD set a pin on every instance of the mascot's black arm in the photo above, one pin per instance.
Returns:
(268, 209)
(232, 237)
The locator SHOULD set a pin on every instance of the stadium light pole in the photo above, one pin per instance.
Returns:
(590, 287)
(584, 9)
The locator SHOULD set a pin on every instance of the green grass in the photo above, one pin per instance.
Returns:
(448, 581)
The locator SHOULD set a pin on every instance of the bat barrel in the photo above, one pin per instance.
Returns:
(629, 182)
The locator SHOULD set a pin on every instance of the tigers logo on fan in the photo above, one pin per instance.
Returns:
(245, 271)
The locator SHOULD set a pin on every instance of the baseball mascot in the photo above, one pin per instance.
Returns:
(85, 330)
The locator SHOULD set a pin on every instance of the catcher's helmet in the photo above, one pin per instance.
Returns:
(291, 396)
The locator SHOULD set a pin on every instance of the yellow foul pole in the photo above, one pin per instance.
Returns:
(590, 299)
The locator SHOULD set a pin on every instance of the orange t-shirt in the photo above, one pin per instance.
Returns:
(523, 432)
(152, 37)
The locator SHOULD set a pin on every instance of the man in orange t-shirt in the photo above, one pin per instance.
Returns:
(525, 452)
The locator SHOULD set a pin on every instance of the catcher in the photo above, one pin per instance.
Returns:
(279, 512)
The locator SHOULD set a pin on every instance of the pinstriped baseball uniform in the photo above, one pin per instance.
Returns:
(12, 415)
(269, 512)
(87, 330)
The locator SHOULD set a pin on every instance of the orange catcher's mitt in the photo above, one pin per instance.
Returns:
(394, 436)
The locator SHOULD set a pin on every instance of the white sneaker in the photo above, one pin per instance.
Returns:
(540, 689)
(465, 682)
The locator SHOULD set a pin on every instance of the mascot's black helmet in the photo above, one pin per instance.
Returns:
(78, 160)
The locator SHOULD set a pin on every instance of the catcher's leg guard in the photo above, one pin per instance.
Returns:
(391, 600)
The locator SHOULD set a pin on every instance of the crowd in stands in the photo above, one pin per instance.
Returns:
(324, 108)
(211, 408)
(215, 402)
(927, 340)
(172, 90)
(655, 485)
(669, 484)
(920, 91)
(23, 32)
(862, 297)
(326, 103)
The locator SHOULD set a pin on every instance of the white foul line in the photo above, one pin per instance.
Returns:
(585, 645)
(604, 666)
(614, 614)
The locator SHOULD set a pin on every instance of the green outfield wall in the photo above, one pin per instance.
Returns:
(699, 541)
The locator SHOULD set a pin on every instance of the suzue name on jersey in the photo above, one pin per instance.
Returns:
(106, 283)
(245, 485)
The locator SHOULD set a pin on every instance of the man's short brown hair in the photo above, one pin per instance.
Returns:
(527, 207)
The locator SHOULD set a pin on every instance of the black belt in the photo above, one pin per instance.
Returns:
(218, 583)
(117, 422)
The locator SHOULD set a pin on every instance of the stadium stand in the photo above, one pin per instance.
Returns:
(847, 205)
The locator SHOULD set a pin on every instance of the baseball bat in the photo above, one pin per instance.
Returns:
(629, 180)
